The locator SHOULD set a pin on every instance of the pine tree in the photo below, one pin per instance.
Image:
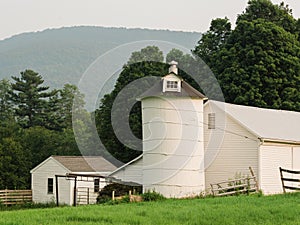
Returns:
(30, 99)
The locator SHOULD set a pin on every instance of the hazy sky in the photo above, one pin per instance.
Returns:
(18, 16)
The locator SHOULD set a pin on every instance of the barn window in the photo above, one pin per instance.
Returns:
(96, 185)
(211, 120)
(50, 185)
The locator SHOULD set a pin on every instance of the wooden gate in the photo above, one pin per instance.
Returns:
(294, 183)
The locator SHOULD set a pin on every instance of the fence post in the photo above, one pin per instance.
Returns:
(254, 178)
(6, 193)
(75, 191)
(113, 195)
(281, 177)
(56, 190)
(88, 196)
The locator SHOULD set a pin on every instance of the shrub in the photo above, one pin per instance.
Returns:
(152, 196)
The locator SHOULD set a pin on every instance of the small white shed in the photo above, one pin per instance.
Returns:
(43, 179)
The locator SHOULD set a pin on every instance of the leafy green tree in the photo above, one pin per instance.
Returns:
(258, 63)
(211, 42)
(13, 164)
(149, 53)
(281, 14)
(30, 99)
(40, 143)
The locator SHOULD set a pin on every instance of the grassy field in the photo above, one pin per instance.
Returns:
(277, 209)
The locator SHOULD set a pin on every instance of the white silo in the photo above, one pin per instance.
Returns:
(173, 150)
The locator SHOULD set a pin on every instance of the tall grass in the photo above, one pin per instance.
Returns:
(277, 209)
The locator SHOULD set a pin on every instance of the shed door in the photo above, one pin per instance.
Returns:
(273, 157)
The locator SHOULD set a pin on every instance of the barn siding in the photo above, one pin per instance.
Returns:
(39, 180)
(229, 149)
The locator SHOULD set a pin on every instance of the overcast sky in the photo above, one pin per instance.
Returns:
(18, 16)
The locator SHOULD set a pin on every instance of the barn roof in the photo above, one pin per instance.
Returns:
(85, 163)
(267, 124)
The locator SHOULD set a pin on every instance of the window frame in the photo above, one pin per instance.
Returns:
(96, 185)
(50, 185)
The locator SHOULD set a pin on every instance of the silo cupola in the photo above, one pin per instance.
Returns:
(173, 67)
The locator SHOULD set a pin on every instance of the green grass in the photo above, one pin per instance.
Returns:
(277, 209)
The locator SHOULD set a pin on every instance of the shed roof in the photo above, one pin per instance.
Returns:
(267, 124)
(85, 163)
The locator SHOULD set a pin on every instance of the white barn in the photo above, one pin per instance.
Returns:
(189, 143)
(43, 179)
(264, 139)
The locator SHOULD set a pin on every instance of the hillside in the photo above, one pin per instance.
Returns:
(62, 55)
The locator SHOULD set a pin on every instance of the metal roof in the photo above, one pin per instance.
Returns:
(85, 163)
(267, 124)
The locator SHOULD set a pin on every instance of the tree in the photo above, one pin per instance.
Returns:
(263, 65)
(211, 42)
(280, 14)
(6, 106)
(150, 53)
(259, 62)
(13, 165)
(39, 143)
(30, 99)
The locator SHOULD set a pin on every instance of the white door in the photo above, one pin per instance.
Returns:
(271, 158)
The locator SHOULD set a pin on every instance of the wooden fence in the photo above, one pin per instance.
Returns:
(14, 197)
(290, 182)
(237, 186)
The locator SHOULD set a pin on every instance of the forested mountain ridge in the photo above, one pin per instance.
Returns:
(62, 55)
